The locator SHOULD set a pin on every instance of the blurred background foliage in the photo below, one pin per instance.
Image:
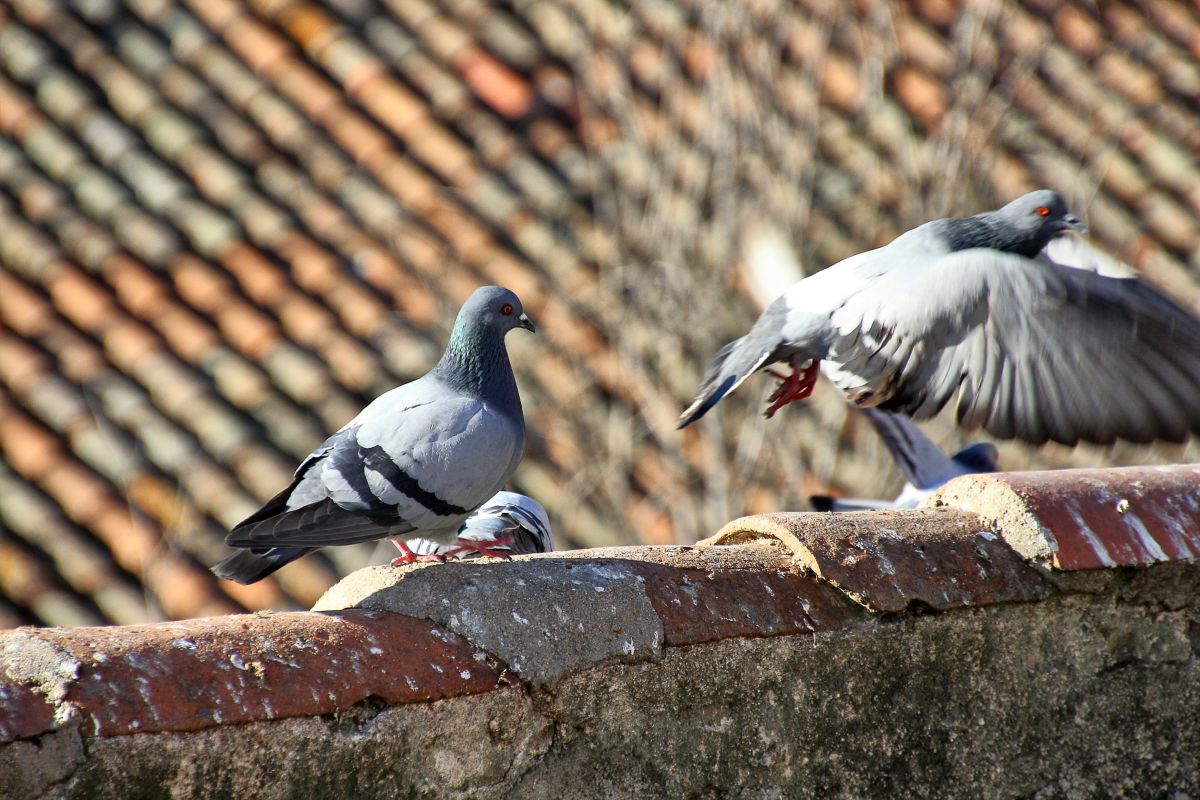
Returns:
(225, 227)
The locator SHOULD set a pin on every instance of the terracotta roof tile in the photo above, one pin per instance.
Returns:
(79, 298)
(922, 96)
(1080, 31)
(234, 224)
(1137, 84)
(262, 281)
(248, 330)
(498, 86)
(941, 13)
(841, 85)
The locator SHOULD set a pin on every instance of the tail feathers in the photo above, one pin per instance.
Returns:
(246, 566)
(704, 401)
(923, 463)
(273, 507)
(314, 525)
(979, 457)
(304, 481)
(732, 364)
(822, 502)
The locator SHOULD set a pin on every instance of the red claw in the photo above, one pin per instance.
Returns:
(482, 547)
(796, 386)
(407, 556)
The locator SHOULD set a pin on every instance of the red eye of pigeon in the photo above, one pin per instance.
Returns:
(1042, 211)
(506, 309)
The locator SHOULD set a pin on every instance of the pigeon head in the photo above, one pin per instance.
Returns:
(475, 360)
(1027, 224)
(494, 309)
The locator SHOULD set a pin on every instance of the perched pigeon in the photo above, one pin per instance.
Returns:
(923, 463)
(417, 460)
(1035, 350)
(508, 524)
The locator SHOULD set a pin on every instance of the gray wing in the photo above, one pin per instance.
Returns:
(1036, 351)
(416, 459)
(303, 509)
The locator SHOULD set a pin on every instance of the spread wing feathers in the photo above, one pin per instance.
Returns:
(923, 463)
(1037, 351)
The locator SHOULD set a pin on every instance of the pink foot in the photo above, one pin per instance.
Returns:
(482, 547)
(407, 556)
(796, 386)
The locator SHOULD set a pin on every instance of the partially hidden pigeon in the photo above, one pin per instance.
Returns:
(417, 461)
(923, 463)
(508, 524)
(1034, 349)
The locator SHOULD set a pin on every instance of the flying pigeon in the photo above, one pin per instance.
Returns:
(923, 463)
(508, 524)
(416, 461)
(1035, 350)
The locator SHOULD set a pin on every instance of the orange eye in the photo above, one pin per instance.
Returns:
(1042, 211)
(506, 309)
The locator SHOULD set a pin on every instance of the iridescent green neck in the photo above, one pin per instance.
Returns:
(476, 363)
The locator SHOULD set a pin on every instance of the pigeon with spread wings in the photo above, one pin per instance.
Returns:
(970, 307)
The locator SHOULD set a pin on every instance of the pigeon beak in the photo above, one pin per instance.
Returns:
(526, 323)
(1073, 223)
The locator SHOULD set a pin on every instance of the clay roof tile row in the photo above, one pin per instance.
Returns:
(228, 226)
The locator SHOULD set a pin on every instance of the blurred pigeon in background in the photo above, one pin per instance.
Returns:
(1034, 349)
(509, 524)
(923, 463)
(418, 460)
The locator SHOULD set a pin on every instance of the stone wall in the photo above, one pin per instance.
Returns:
(1027, 635)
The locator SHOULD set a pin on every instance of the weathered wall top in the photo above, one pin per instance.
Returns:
(1002, 623)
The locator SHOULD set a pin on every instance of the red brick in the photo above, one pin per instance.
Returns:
(23, 712)
(1094, 518)
(706, 605)
(196, 674)
(890, 560)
